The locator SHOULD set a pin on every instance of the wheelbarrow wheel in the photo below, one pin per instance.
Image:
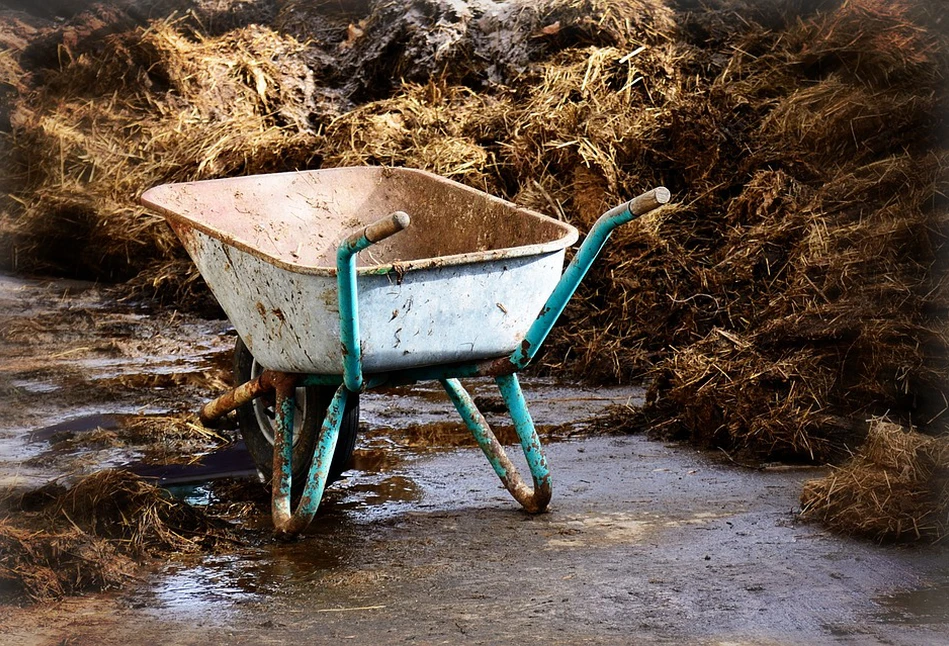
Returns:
(256, 422)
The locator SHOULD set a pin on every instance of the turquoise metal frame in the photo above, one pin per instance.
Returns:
(534, 498)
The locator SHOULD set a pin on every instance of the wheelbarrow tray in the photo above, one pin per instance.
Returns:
(464, 282)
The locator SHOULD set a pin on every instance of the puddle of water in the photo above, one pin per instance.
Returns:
(374, 456)
(218, 586)
(229, 461)
(140, 371)
(212, 587)
(924, 606)
(369, 498)
(35, 387)
(31, 451)
(76, 425)
(421, 416)
(440, 435)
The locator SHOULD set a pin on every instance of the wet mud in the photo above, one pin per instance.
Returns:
(418, 543)
(88, 382)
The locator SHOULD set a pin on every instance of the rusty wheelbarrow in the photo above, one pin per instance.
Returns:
(328, 301)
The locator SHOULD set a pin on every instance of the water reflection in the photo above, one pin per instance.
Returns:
(372, 497)
(927, 605)
(217, 583)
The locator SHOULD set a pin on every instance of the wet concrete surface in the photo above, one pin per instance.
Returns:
(644, 543)
(73, 361)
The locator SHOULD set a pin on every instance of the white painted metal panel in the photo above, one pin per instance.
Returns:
(290, 321)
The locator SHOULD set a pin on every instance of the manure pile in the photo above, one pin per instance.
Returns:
(796, 289)
(94, 535)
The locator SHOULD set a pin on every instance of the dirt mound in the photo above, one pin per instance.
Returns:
(478, 42)
(802, 290)
(95, 535)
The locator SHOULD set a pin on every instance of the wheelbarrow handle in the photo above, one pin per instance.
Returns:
(346, 288)
(648, 201)
(575, 272)
(379, 230)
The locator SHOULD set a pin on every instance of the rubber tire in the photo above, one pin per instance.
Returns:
(317, 400)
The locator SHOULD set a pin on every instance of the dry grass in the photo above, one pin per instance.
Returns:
(896, 488)
(433, 127)
(156, 104)
(94, 535)
(42, 564)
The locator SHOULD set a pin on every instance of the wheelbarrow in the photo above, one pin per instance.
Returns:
(329, 299)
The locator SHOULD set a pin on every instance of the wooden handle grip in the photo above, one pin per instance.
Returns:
(387, 226)
(649, 200)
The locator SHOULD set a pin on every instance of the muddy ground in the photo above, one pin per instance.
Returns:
(644, 542)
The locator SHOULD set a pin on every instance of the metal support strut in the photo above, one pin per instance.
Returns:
(287, 523)
(533, 500)
(578, 268)
(346, 287)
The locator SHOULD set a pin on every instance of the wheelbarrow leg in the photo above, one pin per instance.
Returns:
(286, 523)
(533, 500)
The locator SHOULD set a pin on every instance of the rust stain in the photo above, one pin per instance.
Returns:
(241, 395)
(496, 367)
